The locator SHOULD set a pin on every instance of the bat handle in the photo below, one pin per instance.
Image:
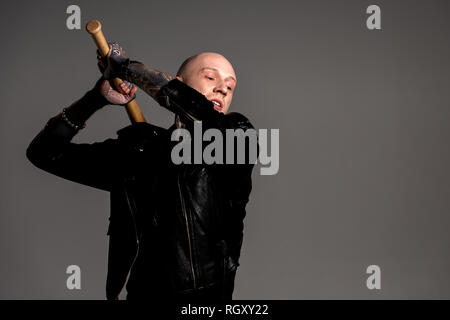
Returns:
(94, 28)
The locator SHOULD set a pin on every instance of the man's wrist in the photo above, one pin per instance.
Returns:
(95, 98)
(127, 69)
(80, 111)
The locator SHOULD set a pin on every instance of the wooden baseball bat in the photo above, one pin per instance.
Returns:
(94, 27)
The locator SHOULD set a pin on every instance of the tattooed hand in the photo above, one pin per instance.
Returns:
(113, 96)
(113, 64)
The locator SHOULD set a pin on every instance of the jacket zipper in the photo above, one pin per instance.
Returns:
(188, 233)
(136, 235)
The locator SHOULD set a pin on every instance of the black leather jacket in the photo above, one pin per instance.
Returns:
(177, 228)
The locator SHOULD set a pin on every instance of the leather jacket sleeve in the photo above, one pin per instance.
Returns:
(191, 105)
(89, 164)
(236, 179)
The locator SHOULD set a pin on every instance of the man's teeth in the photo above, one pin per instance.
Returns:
(215, 102)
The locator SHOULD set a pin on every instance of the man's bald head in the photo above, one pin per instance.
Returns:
(183, 66)
(212, 75)
(202, 56)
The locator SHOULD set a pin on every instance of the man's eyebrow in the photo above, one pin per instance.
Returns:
(214, 69)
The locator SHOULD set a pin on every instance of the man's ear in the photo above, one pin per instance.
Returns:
(180, 78)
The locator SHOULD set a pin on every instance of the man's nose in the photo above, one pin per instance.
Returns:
(222, 88)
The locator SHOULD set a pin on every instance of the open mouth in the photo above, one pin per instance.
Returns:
(217, 105)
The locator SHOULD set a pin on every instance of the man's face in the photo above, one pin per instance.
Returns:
(213, 76)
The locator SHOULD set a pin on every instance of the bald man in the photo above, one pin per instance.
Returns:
(175, 230)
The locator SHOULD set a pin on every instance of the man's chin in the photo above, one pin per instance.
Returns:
(217, 108)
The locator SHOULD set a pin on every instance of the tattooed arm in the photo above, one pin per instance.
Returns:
(148, 79)
(116, 64)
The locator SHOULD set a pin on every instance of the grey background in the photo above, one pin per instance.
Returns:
(364, 133)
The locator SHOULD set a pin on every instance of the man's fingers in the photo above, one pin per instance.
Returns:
(127, 92)
(125, 88)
